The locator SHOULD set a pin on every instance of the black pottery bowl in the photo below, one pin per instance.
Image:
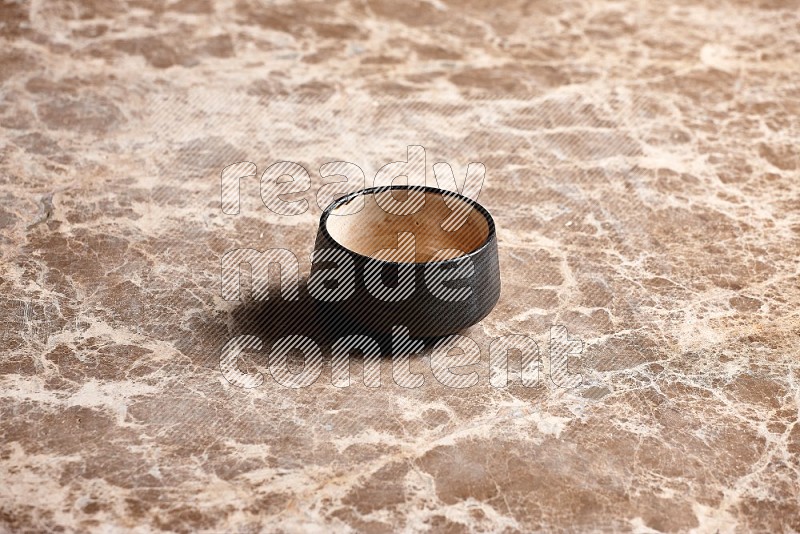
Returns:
(406, 256)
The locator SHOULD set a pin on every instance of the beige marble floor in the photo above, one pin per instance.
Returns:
(643, 168)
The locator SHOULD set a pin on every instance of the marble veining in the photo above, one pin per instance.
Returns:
(642, 166)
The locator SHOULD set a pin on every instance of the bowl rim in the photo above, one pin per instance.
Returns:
(491, 235)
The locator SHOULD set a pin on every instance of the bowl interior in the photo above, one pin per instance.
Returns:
(408, 225)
